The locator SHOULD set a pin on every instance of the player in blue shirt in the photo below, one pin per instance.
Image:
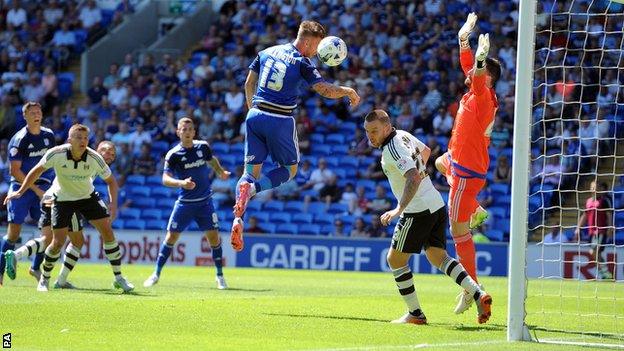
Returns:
(186, 167)
(26, 148)
(272, 88)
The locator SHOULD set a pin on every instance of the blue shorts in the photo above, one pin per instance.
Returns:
(201, 212)
(17, 209)
(271, 134)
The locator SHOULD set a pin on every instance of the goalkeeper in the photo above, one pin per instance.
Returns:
(466, 162)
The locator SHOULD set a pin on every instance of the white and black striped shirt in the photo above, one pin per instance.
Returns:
(401, 152)
(74, 179)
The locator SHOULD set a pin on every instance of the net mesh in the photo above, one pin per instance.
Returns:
(576, 140)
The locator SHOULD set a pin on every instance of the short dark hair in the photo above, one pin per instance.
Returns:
(378, 115)
(311, 29)
(493, 68)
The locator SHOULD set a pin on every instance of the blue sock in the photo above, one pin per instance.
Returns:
(37, 260)
(163, 256)
(217, 252)
(273, 179)
(6, 245)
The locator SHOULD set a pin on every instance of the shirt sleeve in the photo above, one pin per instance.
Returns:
(207, 152)
(309, 72)
(466, 60)
(401, 156)
(16, 151)
(169, 164)
(48, 160)
(478, 84)
(103, 170)
(255, 64)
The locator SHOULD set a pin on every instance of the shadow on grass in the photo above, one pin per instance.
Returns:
(492, 327)
(112, 292)
(246, 290)
(608, 336)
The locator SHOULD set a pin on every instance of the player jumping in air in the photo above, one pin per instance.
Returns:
(423, 218)
(76, 165)
(26, 148)
(467, 160)
(72, 251)
(186, 167)
(271, 91)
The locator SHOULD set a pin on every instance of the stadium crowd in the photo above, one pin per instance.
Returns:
(406, 62)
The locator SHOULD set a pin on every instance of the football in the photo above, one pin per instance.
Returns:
(332, 51)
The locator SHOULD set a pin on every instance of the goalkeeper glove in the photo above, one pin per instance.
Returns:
(466, 30)
(484, 47)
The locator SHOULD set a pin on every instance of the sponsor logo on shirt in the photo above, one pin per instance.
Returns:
(38, 153)
(197, 163)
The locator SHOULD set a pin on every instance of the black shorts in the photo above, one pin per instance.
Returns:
(91, 209)
(598, 241)
(45, 220)
(416, 231)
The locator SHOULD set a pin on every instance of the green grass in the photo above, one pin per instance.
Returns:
(263, 310)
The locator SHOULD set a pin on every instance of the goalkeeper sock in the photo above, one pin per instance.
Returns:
(163, 255)
(405, 282)
(456, 271)
(217, 253)
(465, 249)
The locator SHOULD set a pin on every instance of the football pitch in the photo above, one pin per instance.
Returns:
(262, 310)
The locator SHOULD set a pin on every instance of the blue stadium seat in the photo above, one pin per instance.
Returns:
(347, 127)
(340, 149)
(154, 181)
(333, 139)
(504, 200)
(220, 148)
(340, 173)
(228, 160)
(118, 223)
(501, 224)
(498, 212)
(294, 206)
(238, 148)
(165, 203)
(317, 208)
(347, 220)
(268, 228)
(140, 190)
(138, 224)
(150, 213)
(280, 217)
(286, 229)
(160, 147)
(65, 87)
(254, 205)
(261, 216)
(193, 227)
(130, 213)
(317, 138)
(332, 162)
(494, 234)
(274, 206)
(368, 184)
(156, 225)
(225, 216)
(499, 188)
(162, 191)
(135, 179)
(143, 202)
(338, 208)
(321, 150)
(349, 161)
(310, 229)
(328, 229)
(324, 218)
(304, 218)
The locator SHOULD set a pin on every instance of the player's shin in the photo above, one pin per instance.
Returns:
(6, 245)
(113, 254)
(217, 257)
(72, 254)
(49, 260)
(456, 271)
(405, 283)
(465, 249)
(163, 256)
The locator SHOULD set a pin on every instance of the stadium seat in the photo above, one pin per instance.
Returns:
(193, 227)
(220, 148)
(317, 138)
(143, 202)
(268, 228)
(369, 185)
(347, 127)
(498, 212)
(280, 217)
(310, 229)
(286, 229)
(321, 150)
(154, 181)
(254, 205)
(160, 146)
(228, 160)
(335, 139)
(294, 206)
(261, 216)
(349, 161)
(494, 234)
(347, 220)
(504, 200)
(304, 218)
(156, 224)
(225, 216)
(277, 206)
(340, 173)
(501, 224)
(238, 149)
(135, 179)
(162, 191)
(140, 190)
(317, 208)
(150, 213)
(338, 208)
(324, 218)
(499, 188)
(328, 229)
(118, 223)
(138, 224)
(130, 213)
(165, 204)
(332, 162)
(340, 149)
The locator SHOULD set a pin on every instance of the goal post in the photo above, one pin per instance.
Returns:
(517, 284)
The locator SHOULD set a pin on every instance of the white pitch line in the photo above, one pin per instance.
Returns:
(413, 347)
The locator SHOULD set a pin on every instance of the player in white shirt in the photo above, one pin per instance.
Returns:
(76, 165)
(76, 238)
(423, 216)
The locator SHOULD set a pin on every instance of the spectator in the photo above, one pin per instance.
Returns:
(359, 229)
(501, 136)
(375, 229)
(50, 87)
(52, 13)
(208, 130)
(139, 138)
(349, 198)
(304, 173)
(485, 196)
(154, 98)
(145, 164)
(230, 131)
(359, 146)
(374, 171)
(502, 172)
(234, 99)
(252, 227)
(381, 203)
(319, 177)
(556, 236)
(442, 122)
(123, 135)
(330, 192)
(90, 17)
(16, 16)
(287, 191)
(125, 70)
(339, 229)
(303, 138)
(118, 93)
(33, 90)
(112, 77)
(97, 90)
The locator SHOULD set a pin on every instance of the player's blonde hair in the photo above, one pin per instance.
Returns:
(78, 128)
(29, 105)
(107, 143)
(185, 120)
(311, 29)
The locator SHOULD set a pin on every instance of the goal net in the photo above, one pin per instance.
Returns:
(571, 229)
